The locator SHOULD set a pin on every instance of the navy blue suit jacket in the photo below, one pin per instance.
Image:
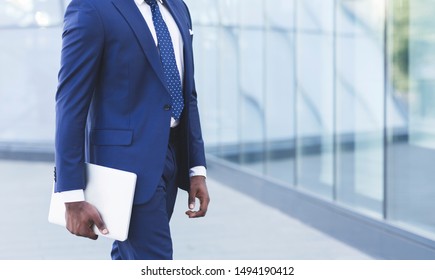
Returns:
(112, 104)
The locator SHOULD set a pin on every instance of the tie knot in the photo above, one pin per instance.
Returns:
(151, 2)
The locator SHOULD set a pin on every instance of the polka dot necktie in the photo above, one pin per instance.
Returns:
(167, 55)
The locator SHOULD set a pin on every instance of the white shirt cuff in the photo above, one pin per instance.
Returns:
(198, 171)
(73, 196)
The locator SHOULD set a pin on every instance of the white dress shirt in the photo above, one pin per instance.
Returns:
(177, 41)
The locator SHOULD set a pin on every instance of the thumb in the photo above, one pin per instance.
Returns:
(99, 223)
(191, 200)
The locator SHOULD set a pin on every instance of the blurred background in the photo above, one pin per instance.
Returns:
(321, 109)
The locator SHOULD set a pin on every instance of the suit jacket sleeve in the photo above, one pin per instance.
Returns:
(82, 46)
(196, 150)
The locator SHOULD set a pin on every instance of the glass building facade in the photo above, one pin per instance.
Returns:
(335, 98)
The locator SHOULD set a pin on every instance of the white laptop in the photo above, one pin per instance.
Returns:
(111, 191)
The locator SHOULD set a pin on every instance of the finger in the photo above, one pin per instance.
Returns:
(196, 214)
(80, 217)
(99, 223)
(202, 210)
(85, 230)
(96, 220)
(91, 234)
(192, 197)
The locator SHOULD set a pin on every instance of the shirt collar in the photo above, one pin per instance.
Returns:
(139, 2)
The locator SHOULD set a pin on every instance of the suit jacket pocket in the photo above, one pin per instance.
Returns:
(111, 137)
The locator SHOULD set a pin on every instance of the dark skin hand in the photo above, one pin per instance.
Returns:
(198, 189)
(80, 218)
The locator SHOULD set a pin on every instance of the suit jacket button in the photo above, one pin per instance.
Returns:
(167, 107)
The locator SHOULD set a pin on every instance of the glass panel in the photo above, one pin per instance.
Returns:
(315, 15)
(206, 78)
(229, 12)
(360, 104)
(204, 12)
(216, 49)
(411, 114)
(28, 79)
(228, 97)
(280, 88)
(314, 111)
(280, 14)
(207, 62)
(27, 13)
(252, 113)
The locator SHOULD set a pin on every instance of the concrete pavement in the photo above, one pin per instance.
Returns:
(236, 227)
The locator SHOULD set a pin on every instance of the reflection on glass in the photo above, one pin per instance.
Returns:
(251, 90)
(314, 100)
(360, 105)
(30, 13)
(29, 56)
(411, 154)
(279, 91)
(228, 96)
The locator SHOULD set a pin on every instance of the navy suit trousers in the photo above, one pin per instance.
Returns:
(149, 235)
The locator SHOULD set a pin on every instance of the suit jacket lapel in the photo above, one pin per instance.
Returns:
(182, 24)
(140, 28)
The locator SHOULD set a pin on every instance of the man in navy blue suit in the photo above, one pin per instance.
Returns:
(117, 106)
